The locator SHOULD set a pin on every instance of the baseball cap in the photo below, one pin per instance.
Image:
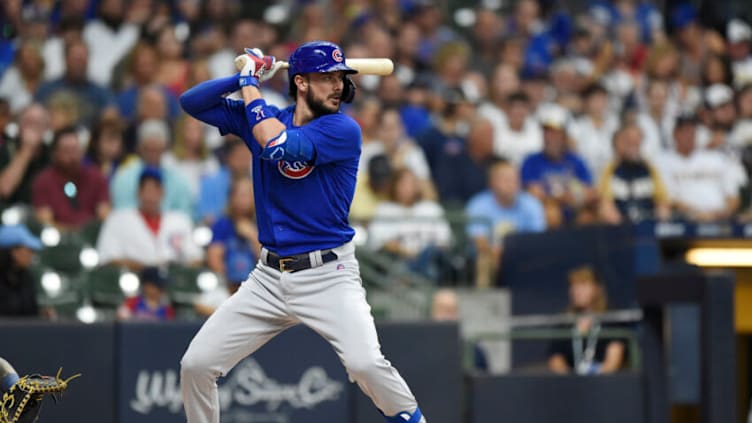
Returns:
(683, 15)
(553, 116)
(717, 95)
(18, 236)
(150, 172)
(685, 119)
(737, 31)
(154, 276)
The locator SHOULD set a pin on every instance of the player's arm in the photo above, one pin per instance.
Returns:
(276, 141)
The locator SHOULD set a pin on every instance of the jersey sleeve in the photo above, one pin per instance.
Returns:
(335, 138)
(221, 231)
(582, 171)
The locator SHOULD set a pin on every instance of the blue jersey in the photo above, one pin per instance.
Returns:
(300, 207)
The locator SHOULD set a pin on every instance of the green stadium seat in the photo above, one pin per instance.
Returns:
(103, 286)
(183, 284)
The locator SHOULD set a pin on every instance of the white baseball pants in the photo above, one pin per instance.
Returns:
(329, 299)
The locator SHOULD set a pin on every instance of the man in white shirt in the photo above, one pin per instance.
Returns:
(146, 236)
(519, 134)
(700, 183)
(592, 133)
(109, 38)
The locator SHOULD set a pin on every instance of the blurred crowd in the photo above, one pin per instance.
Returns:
(529, 117)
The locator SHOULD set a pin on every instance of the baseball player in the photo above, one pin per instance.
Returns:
(305, 161)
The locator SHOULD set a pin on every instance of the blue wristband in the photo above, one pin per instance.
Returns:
(257, 111)
(247, 80)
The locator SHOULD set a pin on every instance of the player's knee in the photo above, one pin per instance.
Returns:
(195, 365)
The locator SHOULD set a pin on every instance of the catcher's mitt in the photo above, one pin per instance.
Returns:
(22, 402)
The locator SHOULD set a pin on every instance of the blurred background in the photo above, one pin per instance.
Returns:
(553, 208)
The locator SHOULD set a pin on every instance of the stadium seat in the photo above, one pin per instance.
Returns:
(103, 286)
(65, 256)
(183, 284)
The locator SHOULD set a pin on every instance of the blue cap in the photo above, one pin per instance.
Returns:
(18, 236)
(154, 276)
(150, 172)
(683, 15)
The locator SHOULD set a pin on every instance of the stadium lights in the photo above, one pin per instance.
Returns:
(13, 215)
(50, 236)
(89, 257)
(207, 281)
(51, 283)
(720, 257)
(202, 236)
(86, 314)
(129, 283)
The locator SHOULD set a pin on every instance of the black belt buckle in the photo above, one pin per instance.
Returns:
(283, 263)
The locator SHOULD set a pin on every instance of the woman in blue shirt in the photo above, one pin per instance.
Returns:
(235, 247)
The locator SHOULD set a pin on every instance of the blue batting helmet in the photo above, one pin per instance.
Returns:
(317, 56)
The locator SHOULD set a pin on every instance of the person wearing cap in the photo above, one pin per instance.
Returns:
(151, 304)
(153, 139)
(694, 41)
(556, 176)
(739, 48)
(147, 236)
(18, 295)
(69, 193)
(721, 117)
(701, 185)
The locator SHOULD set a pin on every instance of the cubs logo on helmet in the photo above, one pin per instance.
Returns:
(337, 55)
(294, 170)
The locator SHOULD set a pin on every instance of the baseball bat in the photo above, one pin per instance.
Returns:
(368, 66)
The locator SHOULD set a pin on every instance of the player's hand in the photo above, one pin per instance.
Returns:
(253, 64)
(269, 74)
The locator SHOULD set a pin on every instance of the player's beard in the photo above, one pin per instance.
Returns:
(317, 107)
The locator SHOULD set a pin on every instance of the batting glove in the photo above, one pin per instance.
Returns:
(252, 65)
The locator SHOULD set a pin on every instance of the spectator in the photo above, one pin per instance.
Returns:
(557, 177)
(741, 135)
(371, 188)
(592, 132)
(502, 209)
(151, 304)
(700, 184)
(739, 36)
(631, 189)
(410, 228)
(655, 120)
(189, 154)
(504, 83)
(69, 193)
(174, 69)
(70, 29)
(91, 98)
(22, 158)
(445, 308)
(105, 150)
(110, 37)
(143, 69)
(146, 236)
(20, 82)
(696, 43)
(214, 188)
(587, 352)
(520, 134)
(235, 247)
(460, 176)
(153, 137)
(402, 151)
(18, 296)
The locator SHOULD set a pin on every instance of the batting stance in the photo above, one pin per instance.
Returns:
(305, 161)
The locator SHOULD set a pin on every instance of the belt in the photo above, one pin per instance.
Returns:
(297, 262)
